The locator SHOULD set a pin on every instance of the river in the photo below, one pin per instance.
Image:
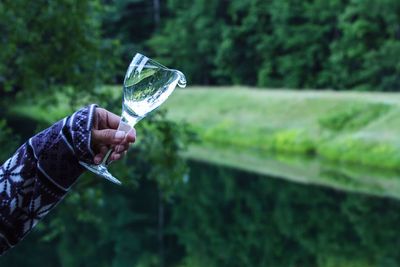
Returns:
(285, 212)
(229, 217)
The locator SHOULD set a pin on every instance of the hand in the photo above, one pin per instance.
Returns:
(105, 136)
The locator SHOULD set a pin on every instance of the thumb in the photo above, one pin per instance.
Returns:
(108, 136)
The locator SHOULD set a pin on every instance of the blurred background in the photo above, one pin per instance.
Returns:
(283, 151)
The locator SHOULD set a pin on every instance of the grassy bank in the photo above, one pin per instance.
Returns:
(362, 128)
(356, 127)
(301, 169)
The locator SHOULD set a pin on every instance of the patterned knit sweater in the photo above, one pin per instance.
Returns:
(40, 173)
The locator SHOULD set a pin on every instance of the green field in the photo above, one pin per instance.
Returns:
(357, 127)
(351, 127)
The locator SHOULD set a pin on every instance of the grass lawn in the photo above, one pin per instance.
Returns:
(340, 126)
(357, 127)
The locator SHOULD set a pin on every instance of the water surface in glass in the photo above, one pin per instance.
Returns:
(147, 85)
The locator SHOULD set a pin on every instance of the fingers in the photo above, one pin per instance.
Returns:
(121, 148)
(102, 153)
(131, 136)
(115, 156)
(118, 156)
(118, 152)
(106, 119)
(107, 136)
(112, 120)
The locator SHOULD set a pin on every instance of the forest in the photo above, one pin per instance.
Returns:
(57, 56)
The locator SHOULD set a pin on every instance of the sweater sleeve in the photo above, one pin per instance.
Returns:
(40, 173)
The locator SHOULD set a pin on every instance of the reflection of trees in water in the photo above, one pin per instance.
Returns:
(229, 218)
(221, 217)
(148, 85)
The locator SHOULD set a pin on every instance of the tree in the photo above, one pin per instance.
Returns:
(362, 57)
(130, 23)
(47, 43)
(239, 55)
(340, 44)
(188, 39)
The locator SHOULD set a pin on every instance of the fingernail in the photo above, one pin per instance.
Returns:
(119, 135)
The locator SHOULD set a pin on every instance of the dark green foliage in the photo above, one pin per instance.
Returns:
(130, 23)
(8, 141)
(241, 51)
(340, 44)
(51, 43)
(188, 40)
(362, 57)
(160, 142)
(294, 53)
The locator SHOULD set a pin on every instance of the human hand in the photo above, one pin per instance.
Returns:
(105, 136)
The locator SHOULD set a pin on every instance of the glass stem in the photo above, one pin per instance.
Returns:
(106, 157)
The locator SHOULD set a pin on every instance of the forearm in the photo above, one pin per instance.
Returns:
(40, 173)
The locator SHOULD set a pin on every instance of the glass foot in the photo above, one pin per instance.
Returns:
(101, 170)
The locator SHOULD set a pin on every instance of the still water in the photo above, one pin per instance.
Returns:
(224, 217)
(234, 218)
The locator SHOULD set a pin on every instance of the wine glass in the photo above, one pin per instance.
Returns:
(147, 85)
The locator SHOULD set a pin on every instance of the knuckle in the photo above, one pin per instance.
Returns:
(109, 135)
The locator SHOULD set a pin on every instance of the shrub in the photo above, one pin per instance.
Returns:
(51, 43)
(8, 141)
